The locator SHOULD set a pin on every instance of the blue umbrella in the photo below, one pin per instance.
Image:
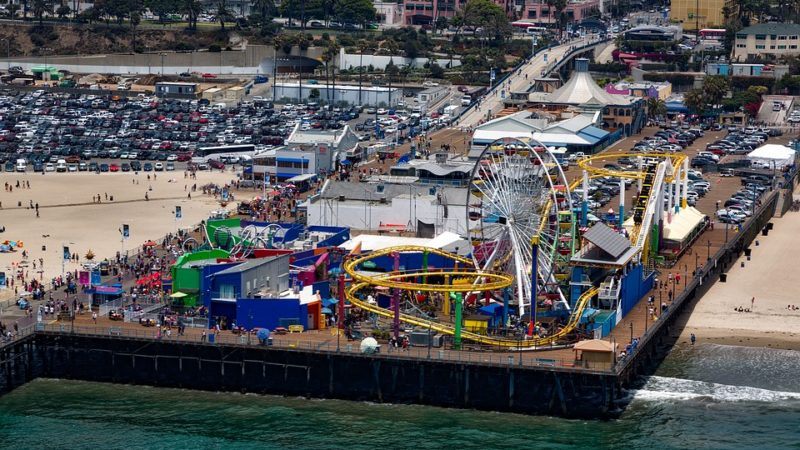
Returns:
(263, 334)
(326, 311)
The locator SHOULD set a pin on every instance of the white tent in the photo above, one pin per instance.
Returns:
(769, 154)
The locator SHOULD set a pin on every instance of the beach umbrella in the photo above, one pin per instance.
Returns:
(150, 244)
(327, 311)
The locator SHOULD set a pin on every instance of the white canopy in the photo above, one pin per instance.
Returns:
(780, 155)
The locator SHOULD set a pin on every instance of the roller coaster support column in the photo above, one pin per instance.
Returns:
(534, 273)
(456, 296)
(685, 182)
(506, 295)
(340, 306)
(668, 187)
(425, 266)
(676, 189)
(585, 202)
(621, 203)
(396, 299)
(446, 300)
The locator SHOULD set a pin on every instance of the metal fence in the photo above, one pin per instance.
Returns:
(706, 276)
(287, 342)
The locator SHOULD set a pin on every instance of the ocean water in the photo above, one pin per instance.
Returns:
(707, 396)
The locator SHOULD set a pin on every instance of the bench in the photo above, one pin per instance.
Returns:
(295, 328)
(114, 331)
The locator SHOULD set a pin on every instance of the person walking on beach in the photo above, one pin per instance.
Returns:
(693, 338)
(752, 303)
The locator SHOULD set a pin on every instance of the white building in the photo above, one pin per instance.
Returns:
(328, 146)
(284, 162)
(389, 207)
(352, 95)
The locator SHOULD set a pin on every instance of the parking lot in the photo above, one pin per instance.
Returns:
(61, 132)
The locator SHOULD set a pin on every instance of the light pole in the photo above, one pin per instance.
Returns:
(162, 63)
(45, 50)
(8, 53)
(708, 255)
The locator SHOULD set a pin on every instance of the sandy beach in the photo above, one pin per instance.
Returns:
(771, 277)
(68, 216)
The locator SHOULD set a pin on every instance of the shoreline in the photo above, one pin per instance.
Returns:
(763, 283)
(742, 338)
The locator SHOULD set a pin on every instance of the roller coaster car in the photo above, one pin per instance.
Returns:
(114, 315)
(147, 322)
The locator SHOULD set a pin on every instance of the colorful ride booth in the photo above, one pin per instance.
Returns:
(257, 293)
(102, 295)
(188, 272)
(607, 258)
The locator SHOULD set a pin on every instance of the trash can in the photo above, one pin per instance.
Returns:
(747, 252)
(723, 277)
(269, 341)
(769, 226)
(211, 337)
(764, 232)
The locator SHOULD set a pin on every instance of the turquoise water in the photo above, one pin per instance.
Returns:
(708, 396)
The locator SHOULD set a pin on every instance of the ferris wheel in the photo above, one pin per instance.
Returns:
(517, 192)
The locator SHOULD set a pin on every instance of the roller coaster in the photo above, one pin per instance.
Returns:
(514, 179)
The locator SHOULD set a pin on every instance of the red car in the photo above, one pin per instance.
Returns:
(113, 168)
(209, 75)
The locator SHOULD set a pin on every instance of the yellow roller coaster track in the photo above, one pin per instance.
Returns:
(586, 164)
(495, 281)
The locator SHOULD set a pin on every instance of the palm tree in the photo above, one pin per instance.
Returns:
(332, 51)
(656, 107)
(362, 45)
(695, 100)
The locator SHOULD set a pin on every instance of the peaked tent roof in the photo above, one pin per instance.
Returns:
(581, 88)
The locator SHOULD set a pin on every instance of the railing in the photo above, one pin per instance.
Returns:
(702, 281)
(286, 342)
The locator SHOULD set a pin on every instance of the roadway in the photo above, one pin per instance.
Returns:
(520, 80)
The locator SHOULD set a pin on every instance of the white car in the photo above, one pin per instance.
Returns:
(381, 111)
(49, 167)
(158, 167)
(172, 158)
(430, 84)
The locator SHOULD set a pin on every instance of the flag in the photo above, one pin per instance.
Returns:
(67, 254)
(178, 213)
(126, 231)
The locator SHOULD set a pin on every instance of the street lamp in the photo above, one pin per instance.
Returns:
(162, 63)
(45, 50)
(708, 255)
(8, 53)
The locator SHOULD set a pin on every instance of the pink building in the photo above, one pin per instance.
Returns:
(540, 12)
(425, 12)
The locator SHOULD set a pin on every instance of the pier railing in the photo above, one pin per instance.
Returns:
(701, 282)
(525, 359)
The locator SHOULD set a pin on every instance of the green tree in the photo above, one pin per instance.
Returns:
(163, 8)
(354, 11)
(223, 13)
(557, 8)
(656, 107)
(391, 71)
(714, 88)
(695, 101)
(441, 23)
(63, 11)
(436, 71)
(265, 10)
(314, 93)
(42, 7)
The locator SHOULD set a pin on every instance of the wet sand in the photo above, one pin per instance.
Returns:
(68, 216)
